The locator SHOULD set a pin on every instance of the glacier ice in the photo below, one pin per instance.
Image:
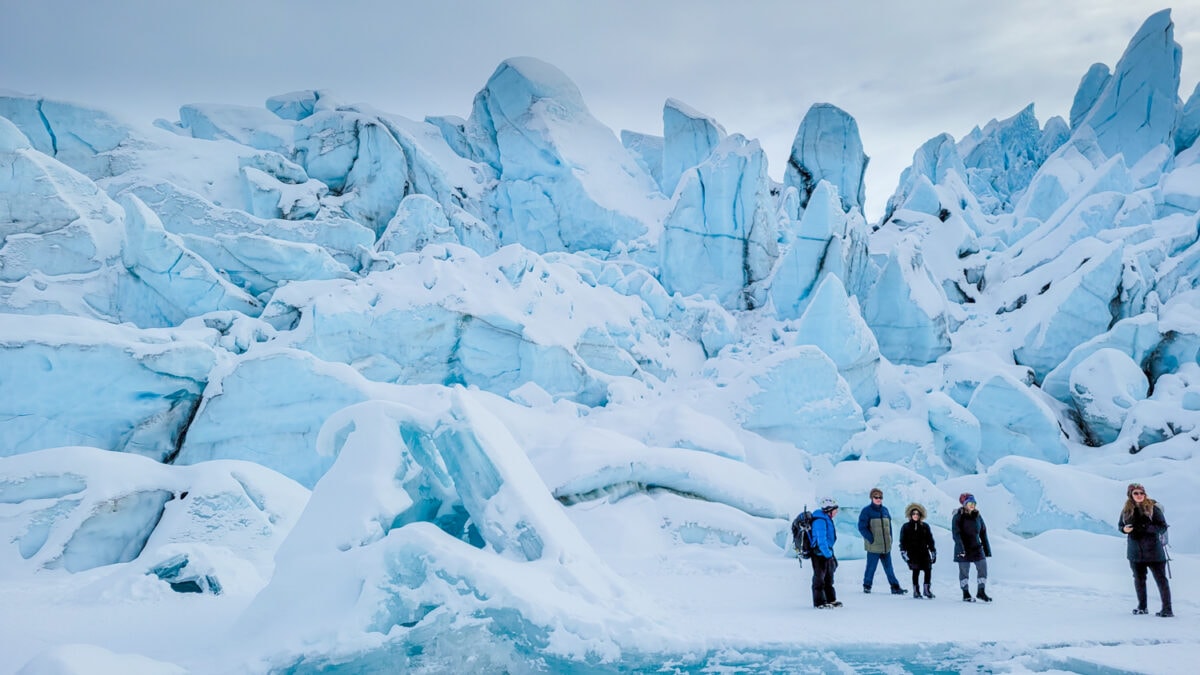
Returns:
(99, 384)
(1135, 109)
(1104, 387)
(689, 137)
(539, 378)
(828, 147)
(79, 508)
(1013, 420)
(832, 323)
(825, 241)
(562, 176)
(386, 572)
(907, 309)
(803, 399)
(721, 216)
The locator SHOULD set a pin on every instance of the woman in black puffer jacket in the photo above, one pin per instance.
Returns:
(1144, 524)
(917, 547)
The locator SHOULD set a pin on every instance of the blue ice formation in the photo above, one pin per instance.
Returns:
(907, 309)
(833, 324)
(826, 241)
(828, 147)
(564, 181)
(1014, 420)
(689, 137)
(200, 528)
(1135, 109)
(802, 399)
(721, 237)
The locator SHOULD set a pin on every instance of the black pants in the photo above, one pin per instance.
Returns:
(822, 583)
(1160, 578)
(927, 568)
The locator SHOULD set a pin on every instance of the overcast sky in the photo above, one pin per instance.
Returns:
(906, 69)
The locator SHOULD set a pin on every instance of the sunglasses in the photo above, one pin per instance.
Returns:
(1138, 492)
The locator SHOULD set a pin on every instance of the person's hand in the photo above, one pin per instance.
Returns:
(1127, 529)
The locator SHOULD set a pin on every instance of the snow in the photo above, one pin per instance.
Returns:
(314, 387)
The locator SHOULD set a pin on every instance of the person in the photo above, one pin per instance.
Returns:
(970, 546)
(824, 563)
(875, 526)
(917, 548)
(1144, 525)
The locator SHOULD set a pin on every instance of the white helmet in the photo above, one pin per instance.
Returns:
(828, 504)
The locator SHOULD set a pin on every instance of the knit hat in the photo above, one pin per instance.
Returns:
(876, 492)
(828, 504)
(1133, 486)
(966, 497)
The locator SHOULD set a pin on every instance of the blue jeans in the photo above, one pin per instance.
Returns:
(873, 560)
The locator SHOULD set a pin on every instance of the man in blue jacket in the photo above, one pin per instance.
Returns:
(824, 564)
(875, 525)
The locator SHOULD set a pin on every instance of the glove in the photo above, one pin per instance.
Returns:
(833, 564)
(904, 555)
(932, 557)
(960, 556)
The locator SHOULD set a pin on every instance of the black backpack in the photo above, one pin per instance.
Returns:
(802, 534)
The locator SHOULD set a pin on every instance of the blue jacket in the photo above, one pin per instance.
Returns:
(824, 534)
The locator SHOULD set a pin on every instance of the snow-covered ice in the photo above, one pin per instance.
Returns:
(312, 387)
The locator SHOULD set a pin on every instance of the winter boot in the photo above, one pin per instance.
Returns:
(967, 596)
(1165, 613)
(916, 592)
(982, 595)
(1139, 610)
(866, 589)
(897, 590)
(928, 593)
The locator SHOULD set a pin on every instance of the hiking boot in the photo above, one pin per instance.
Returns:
(827, 605)
(1139, 610)
(896, 590)
(982, 596)
(836, 603)
(928, 593)
(866, 589)
(1166, 613)
(916, 593)
(967, 596)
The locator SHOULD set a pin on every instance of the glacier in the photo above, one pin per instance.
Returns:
(312, 387)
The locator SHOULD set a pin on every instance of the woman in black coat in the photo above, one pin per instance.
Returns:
(971, 546)
(917, 547)
(1145, 526)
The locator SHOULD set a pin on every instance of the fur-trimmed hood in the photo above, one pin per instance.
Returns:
(909, 509)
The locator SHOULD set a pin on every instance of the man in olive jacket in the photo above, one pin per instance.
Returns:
(875, 525)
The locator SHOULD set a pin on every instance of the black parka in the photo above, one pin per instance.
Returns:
(1145, 542)
(916, 540)
(970, 536)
